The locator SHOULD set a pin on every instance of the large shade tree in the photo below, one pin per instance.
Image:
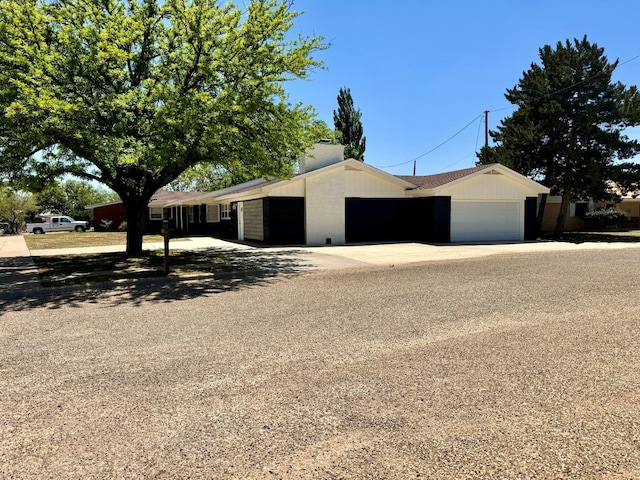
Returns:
(131, 93)
(568, 128)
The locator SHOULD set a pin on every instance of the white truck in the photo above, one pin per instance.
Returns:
(59, 223)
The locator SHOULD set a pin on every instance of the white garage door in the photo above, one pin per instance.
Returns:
(482, 221)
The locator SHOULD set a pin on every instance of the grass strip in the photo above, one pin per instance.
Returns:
(86, 239)
(83, 269)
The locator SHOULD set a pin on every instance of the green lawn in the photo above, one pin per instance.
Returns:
(75, 239)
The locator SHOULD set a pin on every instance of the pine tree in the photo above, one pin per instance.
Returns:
(567, 131)
(347, 122)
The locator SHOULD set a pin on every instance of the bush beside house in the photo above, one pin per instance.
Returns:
(603, 218)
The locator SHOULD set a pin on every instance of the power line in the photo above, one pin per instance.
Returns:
(570, 86)
(436, 147)
(445, 168)
(510, 107)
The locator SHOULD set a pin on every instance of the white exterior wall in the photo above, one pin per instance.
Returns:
(293, 188)
(321, 155)
(362, 184)
(253, 220)
(325, 208)
(488, 187)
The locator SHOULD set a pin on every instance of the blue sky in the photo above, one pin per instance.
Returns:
(421, 70)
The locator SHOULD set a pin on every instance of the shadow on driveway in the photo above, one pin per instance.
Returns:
(193, 274)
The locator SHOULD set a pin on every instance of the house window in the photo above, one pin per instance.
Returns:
(213, 213)
(578, 209)
(191, 215)
(225, 211)
(155, 213)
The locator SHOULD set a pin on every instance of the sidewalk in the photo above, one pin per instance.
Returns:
(18, 273)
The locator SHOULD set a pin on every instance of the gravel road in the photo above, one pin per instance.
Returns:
(511, 367)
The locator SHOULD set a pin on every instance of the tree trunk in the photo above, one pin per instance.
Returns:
(543, 204)
(136, 216)
(562, 214)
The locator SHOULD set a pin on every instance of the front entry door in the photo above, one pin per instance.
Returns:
(240, 221)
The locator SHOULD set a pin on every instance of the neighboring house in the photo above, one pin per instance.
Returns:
(336, 201)
(107, 216)
(113, 213)
(629, 205)
(573, 221)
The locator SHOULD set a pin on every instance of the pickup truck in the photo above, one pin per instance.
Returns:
(57, 224)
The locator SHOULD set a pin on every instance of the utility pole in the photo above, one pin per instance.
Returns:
(414, 168)
(486, 128)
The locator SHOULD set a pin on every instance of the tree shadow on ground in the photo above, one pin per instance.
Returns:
(195, 275)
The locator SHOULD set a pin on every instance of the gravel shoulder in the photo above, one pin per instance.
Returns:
(505, 366)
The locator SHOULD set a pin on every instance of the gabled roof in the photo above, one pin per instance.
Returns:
(349, 164)
(434, 183)
(437, 180)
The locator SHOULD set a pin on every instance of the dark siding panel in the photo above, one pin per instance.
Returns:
(284, 221)
(442, 220)
(379, 219)
(433, 219)
(530, 218)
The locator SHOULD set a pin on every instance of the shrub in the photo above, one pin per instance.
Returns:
(605, 218)
(122, 227)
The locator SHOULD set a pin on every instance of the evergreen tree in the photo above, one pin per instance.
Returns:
(567, 131)
(347, 122)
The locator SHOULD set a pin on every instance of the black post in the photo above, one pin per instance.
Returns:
(486, 128)
(165, 234)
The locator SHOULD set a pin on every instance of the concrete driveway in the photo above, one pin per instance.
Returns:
(335, 256)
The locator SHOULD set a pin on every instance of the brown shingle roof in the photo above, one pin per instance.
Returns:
(433, 181)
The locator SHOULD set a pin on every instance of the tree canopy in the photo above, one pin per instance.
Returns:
(568, 128)
(15, 207)
(71, 198)
(131, 93)
(347, 120)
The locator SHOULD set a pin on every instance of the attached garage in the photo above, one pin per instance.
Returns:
(487, 221)
(488, 203)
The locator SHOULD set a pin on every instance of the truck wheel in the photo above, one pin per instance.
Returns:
(38, 231)
(79, 228)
